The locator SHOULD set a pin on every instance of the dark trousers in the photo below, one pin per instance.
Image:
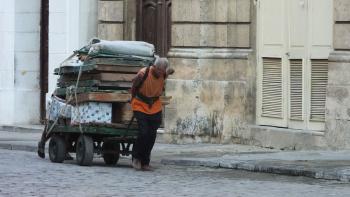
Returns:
(148, 125)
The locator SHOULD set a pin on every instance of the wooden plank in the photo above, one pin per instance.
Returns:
(165, 99)
(121, 112)
(112, 125)
(80, 90)
(119, 61)
(97, 83)
(95, 130)
(99, 76)
(97, 68)
(112, 97)
(103, 97)
(118, 68)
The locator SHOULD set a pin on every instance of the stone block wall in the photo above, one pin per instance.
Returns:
(27, 72)
(338, 94)
(213, 87)
(117, 19)
(111, 20)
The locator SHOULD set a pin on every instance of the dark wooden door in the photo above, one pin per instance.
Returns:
(154, 24)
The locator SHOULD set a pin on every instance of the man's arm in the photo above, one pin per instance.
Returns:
(136, 82)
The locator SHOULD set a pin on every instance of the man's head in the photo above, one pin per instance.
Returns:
(161, 65)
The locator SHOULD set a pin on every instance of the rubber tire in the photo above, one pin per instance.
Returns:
(84, 150)
(111, 158)
(57, 149)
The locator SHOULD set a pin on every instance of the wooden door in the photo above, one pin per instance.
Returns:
(154, 24)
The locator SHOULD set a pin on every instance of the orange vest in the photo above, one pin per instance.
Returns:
(151, 87)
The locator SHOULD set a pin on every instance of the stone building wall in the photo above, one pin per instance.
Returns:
(338, 94)
(19, 67)
(213, 50)
(117, 19)
(111, 20)
(213, 88)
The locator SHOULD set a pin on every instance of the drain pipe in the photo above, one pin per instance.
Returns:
(44, 56)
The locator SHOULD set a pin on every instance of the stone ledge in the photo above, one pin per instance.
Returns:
(283, 138)
(261, 136)
(340, 56)
(23, 128)
(313, 169)
(209, 53)
(287, 130)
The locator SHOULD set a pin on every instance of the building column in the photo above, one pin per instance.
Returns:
(7, 63)
(213, 87)
(338, 92)
(72, 24)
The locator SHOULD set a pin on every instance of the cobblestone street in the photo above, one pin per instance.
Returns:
(24, 174)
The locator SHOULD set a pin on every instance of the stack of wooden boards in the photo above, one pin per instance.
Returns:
(97, 88)
(102, 92)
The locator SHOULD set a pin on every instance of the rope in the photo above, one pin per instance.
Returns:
(76, 98)
(69, 94)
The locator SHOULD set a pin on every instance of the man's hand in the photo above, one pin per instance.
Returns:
(169, 71)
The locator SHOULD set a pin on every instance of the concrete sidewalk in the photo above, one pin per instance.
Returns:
(332, 165)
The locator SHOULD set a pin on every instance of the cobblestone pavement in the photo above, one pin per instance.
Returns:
(24, 174)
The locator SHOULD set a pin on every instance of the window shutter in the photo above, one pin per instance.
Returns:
(272, 88)
(296, 89)
(319, 80)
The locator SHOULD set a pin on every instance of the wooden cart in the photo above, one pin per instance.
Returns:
(108, 140)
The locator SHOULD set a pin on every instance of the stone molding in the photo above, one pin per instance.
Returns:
(339, 56)
(209, 53)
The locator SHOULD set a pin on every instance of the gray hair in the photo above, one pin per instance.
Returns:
(161, 63)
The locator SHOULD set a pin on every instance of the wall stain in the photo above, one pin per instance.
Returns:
(210, 125)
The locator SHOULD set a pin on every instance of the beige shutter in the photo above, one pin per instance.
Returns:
(319, 80)
(294, 41)
(296, 89)
(272, 88)
(271, 80)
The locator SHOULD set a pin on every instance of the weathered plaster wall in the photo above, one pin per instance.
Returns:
(19, 69)
(213, 88)
(7, 77)
(338, 94)
(27, 67)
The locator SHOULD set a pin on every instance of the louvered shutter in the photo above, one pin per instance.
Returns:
(272, 88)
(296, 89)
(319, 80)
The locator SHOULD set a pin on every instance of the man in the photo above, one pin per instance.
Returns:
(148, 86)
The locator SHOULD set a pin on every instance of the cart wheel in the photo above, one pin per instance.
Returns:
(85, 150)
(57, 149)
(113, 157)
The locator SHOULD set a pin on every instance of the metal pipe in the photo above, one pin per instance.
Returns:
(44, 56)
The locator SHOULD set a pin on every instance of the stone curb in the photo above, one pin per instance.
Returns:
(20, 129)
(28, 148)
(268, 166)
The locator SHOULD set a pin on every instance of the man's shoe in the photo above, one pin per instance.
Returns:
(41, 150)
(136, 164)
(147, 168)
